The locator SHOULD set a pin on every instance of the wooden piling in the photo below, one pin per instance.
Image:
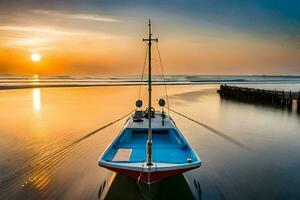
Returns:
(290, 100)
(298, 102)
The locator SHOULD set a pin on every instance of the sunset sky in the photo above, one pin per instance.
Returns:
(104, 37)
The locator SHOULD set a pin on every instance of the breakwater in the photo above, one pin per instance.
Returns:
(261, 96)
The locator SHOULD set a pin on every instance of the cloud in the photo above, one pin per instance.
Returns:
(56, 31)
(32, 36)
(38, 29)
(80, 16)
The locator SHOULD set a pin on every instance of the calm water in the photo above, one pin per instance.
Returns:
(37, 161)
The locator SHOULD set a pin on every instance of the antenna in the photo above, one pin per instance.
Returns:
(149, 40)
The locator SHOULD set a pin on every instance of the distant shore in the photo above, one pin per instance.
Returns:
(15, 87)
(120, 84)
(19, 82)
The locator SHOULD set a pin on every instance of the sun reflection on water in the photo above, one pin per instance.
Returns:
(36, 99)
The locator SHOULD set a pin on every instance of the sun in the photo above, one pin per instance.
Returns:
(35, 57)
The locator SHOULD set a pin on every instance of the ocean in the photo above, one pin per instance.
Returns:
(41, 117)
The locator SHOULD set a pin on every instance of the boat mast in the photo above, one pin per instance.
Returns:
(149, 141)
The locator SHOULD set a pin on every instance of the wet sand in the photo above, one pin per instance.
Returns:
(38, 126)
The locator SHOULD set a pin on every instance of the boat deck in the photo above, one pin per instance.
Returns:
(167, 147)
(156, 122)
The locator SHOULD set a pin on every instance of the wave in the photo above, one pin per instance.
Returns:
(23, 82)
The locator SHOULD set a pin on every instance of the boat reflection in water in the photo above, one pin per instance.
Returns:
(176, 187)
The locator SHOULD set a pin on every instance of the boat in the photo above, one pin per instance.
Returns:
(149, 147)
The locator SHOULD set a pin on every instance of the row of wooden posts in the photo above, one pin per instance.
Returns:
(261, 96)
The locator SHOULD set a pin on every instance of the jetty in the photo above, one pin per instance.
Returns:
(260, 96)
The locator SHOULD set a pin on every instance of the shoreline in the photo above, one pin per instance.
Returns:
(31, 86)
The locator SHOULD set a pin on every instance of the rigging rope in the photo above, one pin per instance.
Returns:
(99, 129)
(217, 132)
(162, 71)
(141, 82)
